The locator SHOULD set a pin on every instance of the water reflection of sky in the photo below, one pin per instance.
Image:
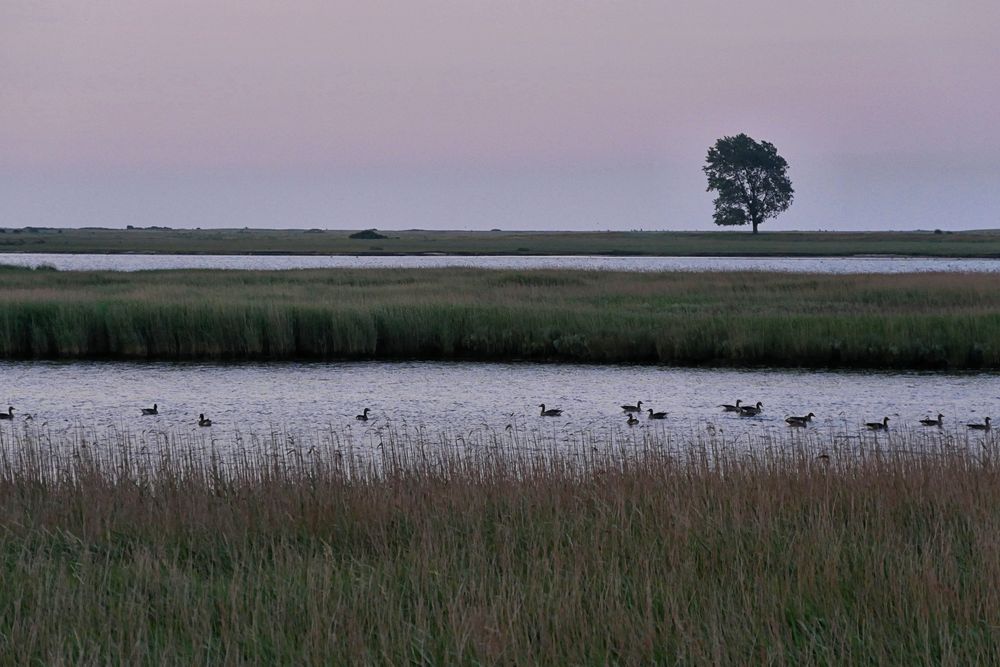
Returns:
(306, 399)
(129, 262)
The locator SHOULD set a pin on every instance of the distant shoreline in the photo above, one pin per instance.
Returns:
(979, 244)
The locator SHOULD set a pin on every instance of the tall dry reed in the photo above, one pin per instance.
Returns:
(425, 549)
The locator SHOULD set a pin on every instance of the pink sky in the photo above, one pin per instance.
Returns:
(440, 113)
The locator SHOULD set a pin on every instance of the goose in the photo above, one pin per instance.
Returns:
(150, 411)
(656, 415)
(554, 412)
(751, 410)
(633, 408)
(731, 408)
(9, 414)
(204, 422)
(363, 417)
(878, 426)
(985, 426)
(632, 421)
(799, 421)
(933, 422)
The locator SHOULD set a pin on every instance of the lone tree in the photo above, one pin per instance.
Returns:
(751, 179)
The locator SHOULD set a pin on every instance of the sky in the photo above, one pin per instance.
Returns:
(479, 114)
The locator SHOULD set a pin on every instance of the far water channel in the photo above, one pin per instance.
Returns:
(457, 398)
(137, 262)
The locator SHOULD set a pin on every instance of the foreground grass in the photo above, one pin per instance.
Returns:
(985, 243)
(896, 321)
(886, 553)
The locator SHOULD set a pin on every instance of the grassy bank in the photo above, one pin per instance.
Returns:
(897, 321)
(116, 554)
(324, 242)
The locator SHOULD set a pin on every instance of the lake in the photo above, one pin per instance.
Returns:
(304, 399)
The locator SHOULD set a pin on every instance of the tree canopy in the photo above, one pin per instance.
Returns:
(751, 180)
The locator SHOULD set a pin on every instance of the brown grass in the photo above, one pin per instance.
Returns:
(430, 550)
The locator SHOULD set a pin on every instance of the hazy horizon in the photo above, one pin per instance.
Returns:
(461, 114)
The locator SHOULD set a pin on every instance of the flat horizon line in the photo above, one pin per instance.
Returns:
(152, 228)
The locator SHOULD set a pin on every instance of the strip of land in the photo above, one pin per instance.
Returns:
(984, 243)
(115, 554)
(742, 319)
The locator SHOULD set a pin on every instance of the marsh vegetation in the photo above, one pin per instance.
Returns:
(434, 550)
(495, 545)
(878, 321)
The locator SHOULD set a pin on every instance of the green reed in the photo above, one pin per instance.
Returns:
(895, 321)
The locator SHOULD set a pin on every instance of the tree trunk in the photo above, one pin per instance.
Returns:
(755, 223)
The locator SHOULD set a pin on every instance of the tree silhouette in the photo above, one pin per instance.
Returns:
(750, 178)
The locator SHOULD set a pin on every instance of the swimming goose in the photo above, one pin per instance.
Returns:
(632, 421)
(933, 422)
(633, 408)
(363, 417)
(731, 408)
(985, 426)
(9, 414)
(751, 410)
(554, 412)
(878, 426)
(150, 411)
(799, 421)
(656, 415)
(204, 422)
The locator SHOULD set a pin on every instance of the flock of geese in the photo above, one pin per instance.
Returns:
(631, 411)
(753, 411)
(744, 411)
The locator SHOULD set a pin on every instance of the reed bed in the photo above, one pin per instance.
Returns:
(888, 321)
(789, 549)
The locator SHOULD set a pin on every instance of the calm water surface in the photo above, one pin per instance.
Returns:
(274, 262)
(309, 398)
